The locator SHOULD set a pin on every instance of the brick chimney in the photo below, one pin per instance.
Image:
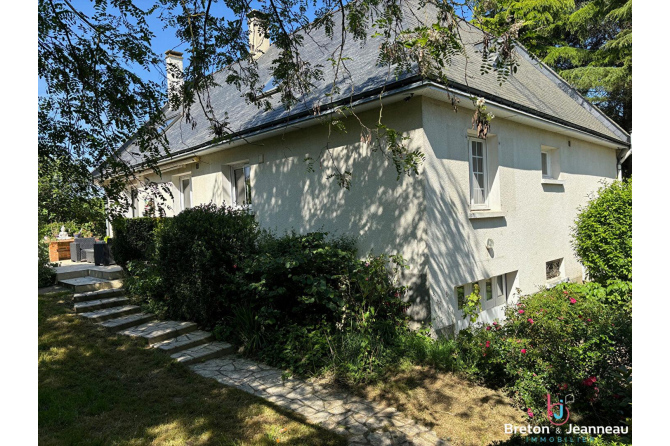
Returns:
(258, 43)
(174, 67)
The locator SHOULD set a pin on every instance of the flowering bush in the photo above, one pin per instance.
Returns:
(567, 340)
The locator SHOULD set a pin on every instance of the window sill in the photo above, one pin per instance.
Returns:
(473, 215)
(553, 181)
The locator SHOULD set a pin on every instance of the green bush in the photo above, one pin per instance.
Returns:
(198, 258)
(313, 306)
(51, 230)
(46, 276)
(570, 339)
(603, 233)
(134, 239)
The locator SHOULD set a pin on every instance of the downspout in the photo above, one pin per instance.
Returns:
(623, 156)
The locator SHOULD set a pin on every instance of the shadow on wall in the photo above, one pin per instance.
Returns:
(384, 213)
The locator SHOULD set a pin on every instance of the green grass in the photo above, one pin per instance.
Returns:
(99, 388)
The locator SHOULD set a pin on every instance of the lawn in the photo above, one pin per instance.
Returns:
(99, 388)
(463, 413)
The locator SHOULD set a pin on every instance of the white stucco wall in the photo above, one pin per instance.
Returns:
(536, 224)
(426, 219)
(383, 212)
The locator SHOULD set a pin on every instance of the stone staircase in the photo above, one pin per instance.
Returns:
(108, 306)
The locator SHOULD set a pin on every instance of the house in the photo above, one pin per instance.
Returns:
(494, 212)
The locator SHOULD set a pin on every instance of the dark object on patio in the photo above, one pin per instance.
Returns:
(101, 254)
(78, 245)
(88, 255)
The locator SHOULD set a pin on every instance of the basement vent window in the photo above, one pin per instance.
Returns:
(553, 269)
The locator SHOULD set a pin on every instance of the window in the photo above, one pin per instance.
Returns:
(241, 185)
(479, 181)
(550, 163)
(492, 292)
(546, 165)
(460, 296)
(134, 204)
(553, 269)
(186, 192)
(488, 294)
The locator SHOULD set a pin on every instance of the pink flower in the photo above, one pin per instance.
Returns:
(397, 294)
(521, 311)
(367, 263)
(588, 320)
(235, 266)
(523, 350)
(565, 292)
(495, 323)
(488, 328)
(488, 343)
(530, 413)
(484, 354)
(531, 320)
(588, 382)
(573, 300)
(563, 386)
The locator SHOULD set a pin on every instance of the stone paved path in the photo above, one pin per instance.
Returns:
(363, 422)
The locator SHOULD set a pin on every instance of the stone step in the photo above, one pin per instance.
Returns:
(74, 271)
(110, 313)
(203, 352)
(132, 320)
(183, 342)
(92, 305)
(84, 284)
(95, 295)
(156, 331)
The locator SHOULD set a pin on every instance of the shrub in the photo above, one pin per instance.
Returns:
(602, 236)
(51, 230)
(569, 339)
(134, 239)
(46, 276)
(318, 307)
(198, 253)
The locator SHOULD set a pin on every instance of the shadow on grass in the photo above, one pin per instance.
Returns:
(99, 388)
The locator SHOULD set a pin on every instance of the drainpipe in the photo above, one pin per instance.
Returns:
(623, 156)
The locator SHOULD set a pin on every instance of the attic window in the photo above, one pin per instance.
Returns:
(269, 88)
(162, 128)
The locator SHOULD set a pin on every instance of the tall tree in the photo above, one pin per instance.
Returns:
(95, 100)
(588, 42)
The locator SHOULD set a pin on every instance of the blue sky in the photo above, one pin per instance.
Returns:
(164, 40)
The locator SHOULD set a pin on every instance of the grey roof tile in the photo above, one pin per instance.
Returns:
(534, 88)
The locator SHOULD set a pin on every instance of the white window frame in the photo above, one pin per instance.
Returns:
(181, 190)
(246, 168)
(547, 155)
(498, 297)
(134, 203)
(473, 205)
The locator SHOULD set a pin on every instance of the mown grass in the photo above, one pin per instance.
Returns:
(99, 388)
(457, 410)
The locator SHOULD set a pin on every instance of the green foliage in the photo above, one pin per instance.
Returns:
(603, 233)
(318, 307)
(88, 229)
(198, 257)
(133, 239)
(46, 276)
(572, 339)
(588, 42)
(472, 305)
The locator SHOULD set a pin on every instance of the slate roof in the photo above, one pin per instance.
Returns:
(534, 89)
